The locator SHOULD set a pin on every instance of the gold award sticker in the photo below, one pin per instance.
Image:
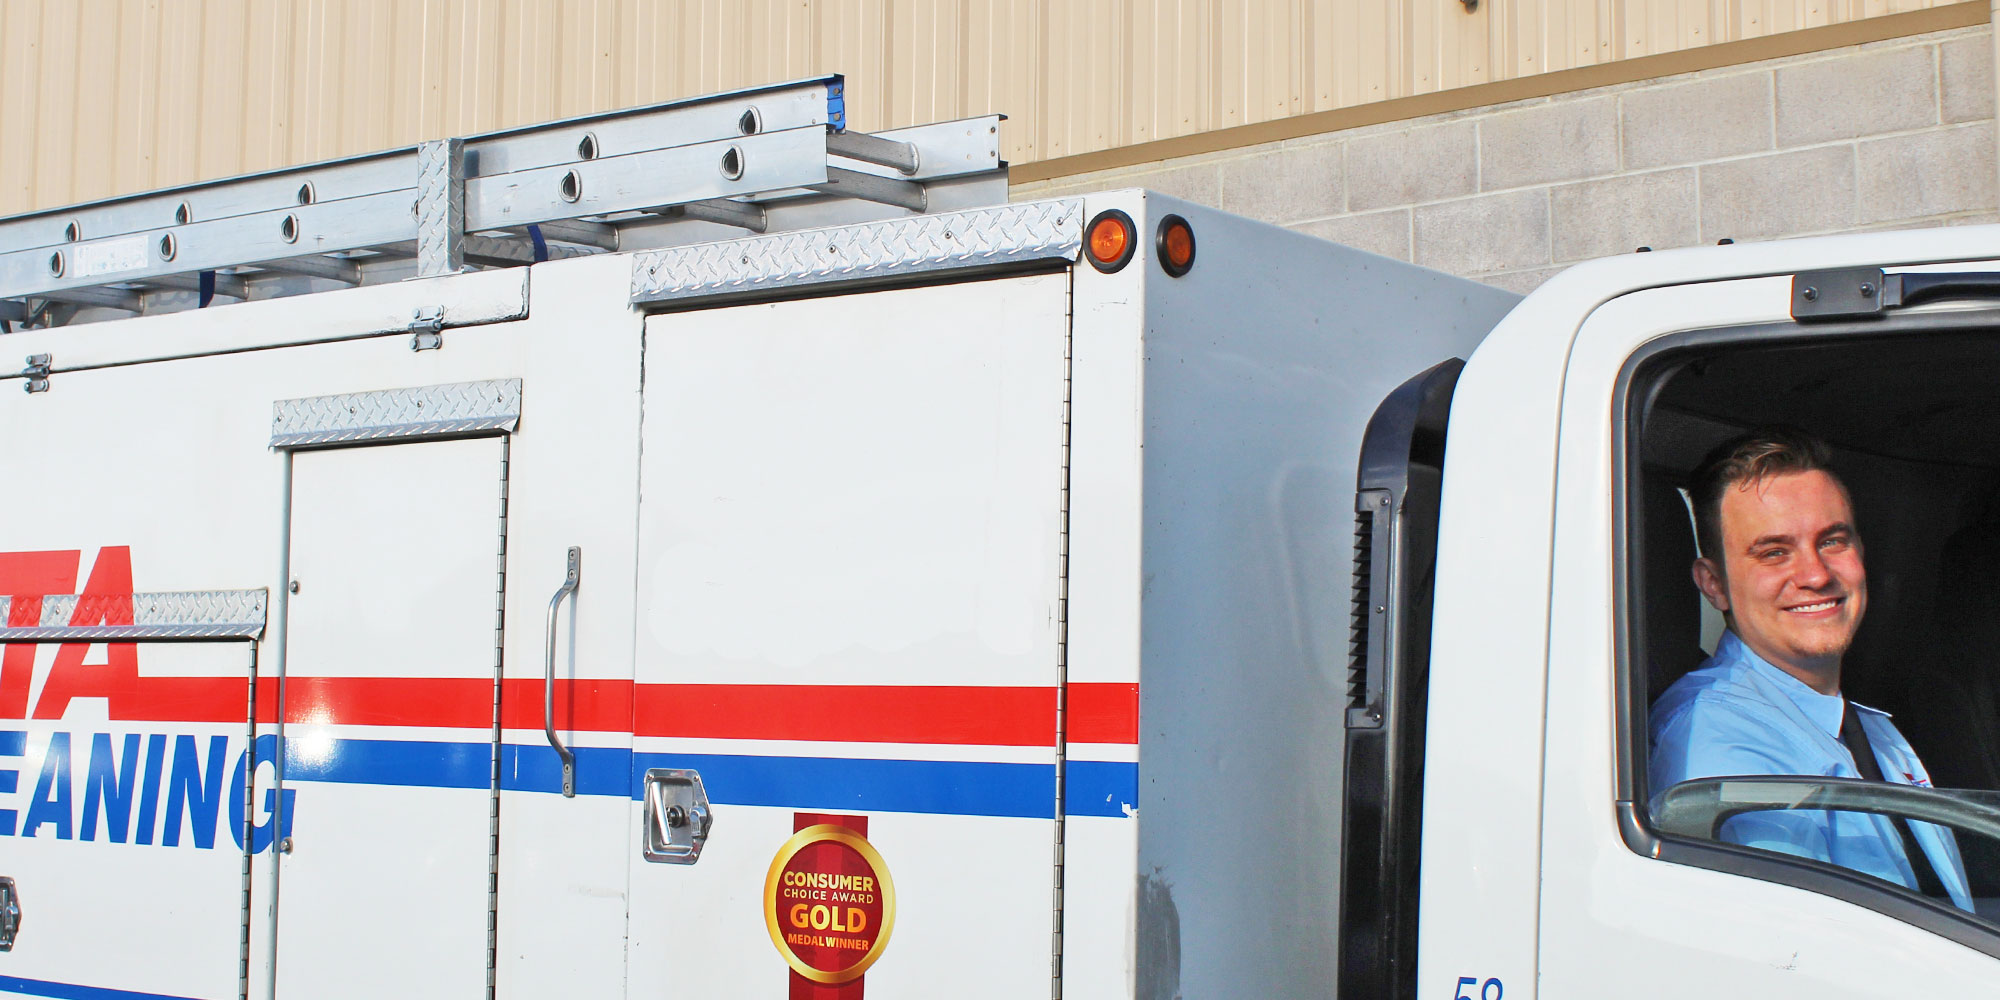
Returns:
(829, 903)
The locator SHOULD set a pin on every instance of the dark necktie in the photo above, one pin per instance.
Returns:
(1856, 739)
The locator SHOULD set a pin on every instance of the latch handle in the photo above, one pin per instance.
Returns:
(10, 913)
(568, 589)
(677, 816)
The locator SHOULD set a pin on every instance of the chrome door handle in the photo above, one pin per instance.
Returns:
(568, 589)
(10, 913)
(677, 816)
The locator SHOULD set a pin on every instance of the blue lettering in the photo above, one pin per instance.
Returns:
(51, 803)
(149, 797)
(186, 787)
(265, 751)
(12, 744)
(112, 789)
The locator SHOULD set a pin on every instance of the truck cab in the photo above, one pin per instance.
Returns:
(1562, 606)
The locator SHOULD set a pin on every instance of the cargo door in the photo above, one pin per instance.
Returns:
(384, 885)
(124, 813)
(849, 645)
(128, 620)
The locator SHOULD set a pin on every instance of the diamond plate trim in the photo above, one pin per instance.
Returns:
(184, 614)
(397, 414)
(985, 237)
(440, 207)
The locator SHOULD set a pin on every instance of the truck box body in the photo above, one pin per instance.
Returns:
(1034, 577)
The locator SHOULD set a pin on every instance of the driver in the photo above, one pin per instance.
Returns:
(1781, 560)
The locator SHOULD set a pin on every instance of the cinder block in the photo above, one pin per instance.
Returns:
(1386, 233)
(1494, 232)
(1695, 120)
(1783, 194)
(1620, 214)
(1939, 172)
(1521, 282)
(1966, 78)
(1558, 141)
(1201, 183)
(1285, 184)
(1865, 93)
(1407, 166)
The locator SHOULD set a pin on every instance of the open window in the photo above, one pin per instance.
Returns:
(1910, 407)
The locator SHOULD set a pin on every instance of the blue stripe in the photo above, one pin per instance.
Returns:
(393, 762)
(70, 991)
(1100, 788)
(963, 788)
(599, 770)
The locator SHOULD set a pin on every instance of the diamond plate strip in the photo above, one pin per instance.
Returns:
(983, 237)
(397, 414)
(440, 207)
(184, 614)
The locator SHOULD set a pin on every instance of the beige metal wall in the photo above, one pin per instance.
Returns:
(103, 97)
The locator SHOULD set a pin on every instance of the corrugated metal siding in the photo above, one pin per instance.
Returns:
(100, 97)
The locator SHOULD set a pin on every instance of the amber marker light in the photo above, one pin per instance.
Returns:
(1109, 241)
(1175, 244)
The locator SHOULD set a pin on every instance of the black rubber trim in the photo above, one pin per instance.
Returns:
(1131, 241)
(1160, 245)
(1639, 380)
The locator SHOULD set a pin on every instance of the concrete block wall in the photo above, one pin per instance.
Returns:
(1892, 134)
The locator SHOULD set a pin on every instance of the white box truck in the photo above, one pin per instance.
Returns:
(702, 550)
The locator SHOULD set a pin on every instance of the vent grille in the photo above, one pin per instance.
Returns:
(1358, 615)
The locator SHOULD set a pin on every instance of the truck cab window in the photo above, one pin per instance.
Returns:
(1813, 664)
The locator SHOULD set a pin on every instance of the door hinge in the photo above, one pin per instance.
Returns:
(37, 373)
(427, 329)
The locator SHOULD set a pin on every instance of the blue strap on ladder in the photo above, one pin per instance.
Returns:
(541, 245)
(207, 289)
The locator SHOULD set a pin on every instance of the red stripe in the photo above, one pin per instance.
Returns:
(966, 715)
(983, 716)
(1104, 713)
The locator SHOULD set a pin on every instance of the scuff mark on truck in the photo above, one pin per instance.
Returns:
(1159, 944)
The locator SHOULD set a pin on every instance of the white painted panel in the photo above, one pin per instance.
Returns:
(394, 549)
(849, 546)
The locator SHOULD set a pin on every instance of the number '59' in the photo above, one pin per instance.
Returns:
(1489, 990)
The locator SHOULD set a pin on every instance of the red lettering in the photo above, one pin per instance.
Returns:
(106, 600)
(26, 577)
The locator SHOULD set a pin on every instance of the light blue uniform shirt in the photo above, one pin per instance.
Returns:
(1739, 715)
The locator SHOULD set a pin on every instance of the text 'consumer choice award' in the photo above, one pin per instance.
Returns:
(829, 903)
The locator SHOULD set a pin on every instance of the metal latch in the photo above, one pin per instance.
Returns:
(10, 913)
(427, 329)
(37, 373)
(677, 816)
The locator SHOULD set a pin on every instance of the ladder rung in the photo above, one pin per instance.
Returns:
(869, 187)
(901, 156)
(331, 268)
(589, 234)
(721, 210)
(108, 298)
(225, 284)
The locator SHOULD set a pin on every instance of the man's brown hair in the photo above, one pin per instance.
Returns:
(1754, 457)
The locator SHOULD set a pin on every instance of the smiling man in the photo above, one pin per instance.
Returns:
(1781, 559)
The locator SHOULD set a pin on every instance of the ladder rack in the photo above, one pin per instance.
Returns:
(759, 160)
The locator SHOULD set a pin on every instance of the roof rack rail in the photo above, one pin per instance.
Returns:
(764, 159)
